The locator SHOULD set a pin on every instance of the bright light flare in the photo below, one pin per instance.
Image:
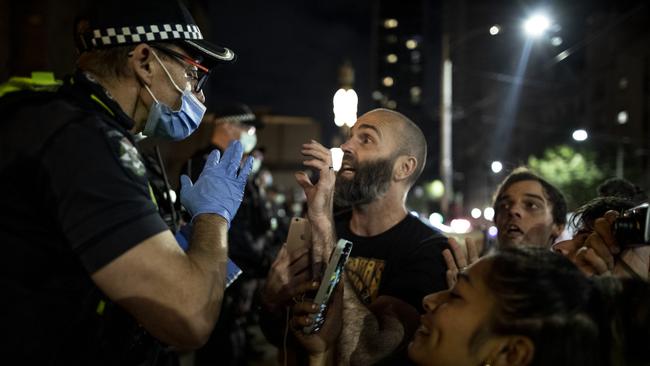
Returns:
(345, 107)
(536, 25)
(496, 167)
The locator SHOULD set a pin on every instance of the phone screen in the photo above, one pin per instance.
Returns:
(331, 278)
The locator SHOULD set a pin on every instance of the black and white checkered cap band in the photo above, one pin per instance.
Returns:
(239, 118)
(111, 37)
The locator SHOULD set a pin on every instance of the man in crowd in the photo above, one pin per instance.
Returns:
(395, 260)
(90, 269)
(528, 210)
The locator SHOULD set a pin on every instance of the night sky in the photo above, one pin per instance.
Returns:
(289, 53)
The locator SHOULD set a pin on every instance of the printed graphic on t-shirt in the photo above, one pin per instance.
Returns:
(365, 276)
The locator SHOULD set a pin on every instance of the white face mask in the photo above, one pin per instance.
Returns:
(248, 140)
(257, 164)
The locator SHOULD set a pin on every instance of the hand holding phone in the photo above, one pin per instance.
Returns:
(299, 235)
(331, 278)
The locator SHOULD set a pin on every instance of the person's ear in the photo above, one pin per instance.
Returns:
(513, 351)
(404, 167)
(140, 62)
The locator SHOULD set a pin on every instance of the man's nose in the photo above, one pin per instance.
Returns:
(347, 147)
(515, 210)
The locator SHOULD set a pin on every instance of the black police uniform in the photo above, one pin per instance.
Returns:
(74, 197)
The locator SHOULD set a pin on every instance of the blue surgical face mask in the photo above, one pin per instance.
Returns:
(173, 125)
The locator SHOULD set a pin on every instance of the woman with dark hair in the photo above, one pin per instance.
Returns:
(519, 306)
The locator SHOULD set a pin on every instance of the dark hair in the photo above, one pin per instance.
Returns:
(630, 323)
(553, 194)
(543, 296)
(112, 62)
(585, 215)
(620, 187)
(106, 63)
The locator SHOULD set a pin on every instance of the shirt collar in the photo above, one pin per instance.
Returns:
(87, 90)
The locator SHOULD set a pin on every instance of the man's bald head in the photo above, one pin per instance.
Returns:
(408, 137)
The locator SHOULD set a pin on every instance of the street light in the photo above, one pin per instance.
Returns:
(580, 135)
(345, 99)
(536, 25)
(496, 167)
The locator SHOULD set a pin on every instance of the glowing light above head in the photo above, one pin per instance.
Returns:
(488, 213)
(580, 135)
(476, 213)
(536, 25)
(345, 107)
(496, 167)
(460, 226)
(337, 158)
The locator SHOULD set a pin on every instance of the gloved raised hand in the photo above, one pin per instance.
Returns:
(220, 187)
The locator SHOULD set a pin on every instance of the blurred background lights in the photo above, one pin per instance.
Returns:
(493, 231)
(488, 213)
(495, 29)
(388, 81)
(621, 118)
(476, 213)
(436, 218)
(411, 44)
(391, 23)
(435, 189)
(556, 41)
(460, 226)
(391, 58)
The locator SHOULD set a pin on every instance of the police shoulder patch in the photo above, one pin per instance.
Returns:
(127, 153)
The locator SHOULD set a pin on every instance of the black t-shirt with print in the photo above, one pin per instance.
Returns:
(405, 261)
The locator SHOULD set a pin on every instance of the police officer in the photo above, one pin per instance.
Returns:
(88, 268)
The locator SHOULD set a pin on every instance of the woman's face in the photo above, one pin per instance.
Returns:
(452, 319)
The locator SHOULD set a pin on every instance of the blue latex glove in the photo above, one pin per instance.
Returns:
(219, 189)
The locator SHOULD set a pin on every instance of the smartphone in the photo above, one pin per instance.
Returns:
(331, 278)
(299, 235)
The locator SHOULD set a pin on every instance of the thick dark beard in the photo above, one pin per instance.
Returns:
(371, 180)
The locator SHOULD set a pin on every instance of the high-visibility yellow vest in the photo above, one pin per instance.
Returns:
(40, 81)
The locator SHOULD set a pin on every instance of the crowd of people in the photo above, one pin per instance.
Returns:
(141, 226)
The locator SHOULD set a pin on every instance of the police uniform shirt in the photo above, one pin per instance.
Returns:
(74, 197)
